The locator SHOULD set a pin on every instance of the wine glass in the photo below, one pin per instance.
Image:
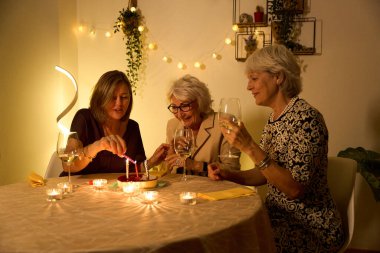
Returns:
(68, 146)
(183, 144)
(229, 113)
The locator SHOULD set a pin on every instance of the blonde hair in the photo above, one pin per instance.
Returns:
(277, 59)
(103, 94)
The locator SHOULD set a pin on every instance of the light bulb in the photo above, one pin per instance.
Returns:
(235, 28)
(141, 28)
(228, 41)
(132, 9)
(216, 56)
(197, 64)
(80, 28)
(152, 46)
(181, 65)
(107, 34)
(167, 59)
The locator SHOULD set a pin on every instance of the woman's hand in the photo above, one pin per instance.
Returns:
(238, 136)
(114, 144)
(174, 160)
(214, 171)
(159, 155)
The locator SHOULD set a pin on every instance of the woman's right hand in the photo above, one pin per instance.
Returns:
(214, 171)
(114, 144)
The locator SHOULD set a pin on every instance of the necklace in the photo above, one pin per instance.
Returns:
(286, 109)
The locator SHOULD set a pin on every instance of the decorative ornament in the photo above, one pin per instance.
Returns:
(130, 22)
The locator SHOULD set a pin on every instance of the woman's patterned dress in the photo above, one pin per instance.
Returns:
(298, 141)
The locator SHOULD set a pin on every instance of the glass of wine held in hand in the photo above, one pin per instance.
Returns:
(183, 144)
(68, 149)
(229, 113)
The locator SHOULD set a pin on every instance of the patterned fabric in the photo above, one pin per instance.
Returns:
(298, 141)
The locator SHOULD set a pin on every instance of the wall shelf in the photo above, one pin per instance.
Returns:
(298, 36)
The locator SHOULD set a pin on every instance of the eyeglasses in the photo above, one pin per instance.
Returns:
(184, 107)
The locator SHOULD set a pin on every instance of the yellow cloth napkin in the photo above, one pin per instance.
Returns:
(36, 180)
(227, 194)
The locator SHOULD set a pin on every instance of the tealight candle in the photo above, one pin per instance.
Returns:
(53, 194)
(131, 188)
(151, 197)
(66, 187)
(188, 198)
(99, 184)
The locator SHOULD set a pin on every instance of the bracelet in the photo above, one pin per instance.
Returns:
(88, 156)
(264, 163)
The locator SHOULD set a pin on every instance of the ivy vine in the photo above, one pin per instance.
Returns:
(128, 22)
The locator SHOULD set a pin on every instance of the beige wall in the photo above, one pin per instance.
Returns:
(342, 82)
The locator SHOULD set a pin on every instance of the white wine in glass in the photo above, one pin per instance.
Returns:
(229, 113)
(183, 145)
(68, 146)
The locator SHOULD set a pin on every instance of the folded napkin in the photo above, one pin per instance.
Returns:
(36, 180)
(227, 194)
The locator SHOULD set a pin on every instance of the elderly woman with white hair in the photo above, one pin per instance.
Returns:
(291, 158)
(191, 105)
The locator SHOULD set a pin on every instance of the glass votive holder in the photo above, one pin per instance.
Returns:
(131, 188)
(53, 194)
(66, 187)
(99, 184)
(188, 198)
(150, 197)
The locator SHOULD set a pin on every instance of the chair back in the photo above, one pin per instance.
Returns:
(341, 175)
(54, 167)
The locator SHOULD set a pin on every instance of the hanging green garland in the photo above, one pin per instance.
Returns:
(130, 22)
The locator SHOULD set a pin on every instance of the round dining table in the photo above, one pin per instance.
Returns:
(89, 220)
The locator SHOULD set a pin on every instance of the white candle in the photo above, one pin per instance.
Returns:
(131, 188)
(188, 198)
(66, 187)
(127, 167)
(99, 184)
(53, 194)
(151, 197)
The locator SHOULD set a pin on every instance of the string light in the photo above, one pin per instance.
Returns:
(153, 45)
(167, 59)
(140, 28)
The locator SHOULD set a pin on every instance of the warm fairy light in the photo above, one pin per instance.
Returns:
(80, 28)
(216, 56)
(228, 41)
(141, 28)
(181, 65)
(167, 59)
(107, 34)
(197, 64)
(152, 46)
(133, 9)
(92, 32)
(235, 28)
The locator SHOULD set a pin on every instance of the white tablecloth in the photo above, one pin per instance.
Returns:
(109, 221)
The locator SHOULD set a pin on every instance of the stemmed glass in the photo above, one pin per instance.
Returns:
(68, 146)
(229, 113)
(183, 144)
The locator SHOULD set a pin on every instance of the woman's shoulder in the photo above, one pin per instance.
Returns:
(85, 112)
